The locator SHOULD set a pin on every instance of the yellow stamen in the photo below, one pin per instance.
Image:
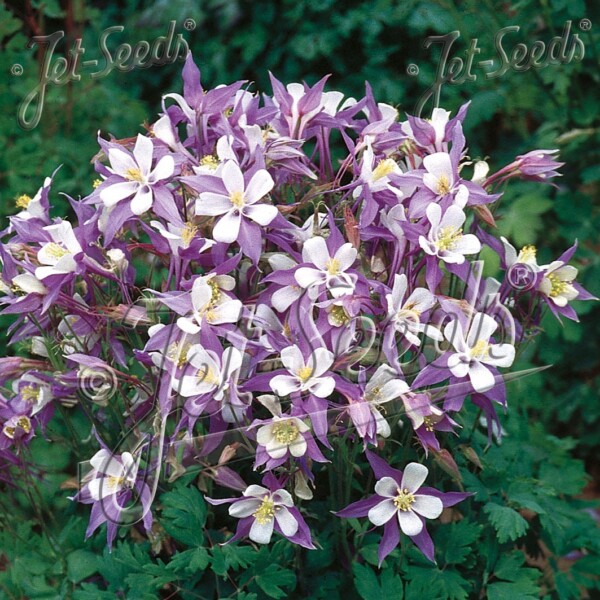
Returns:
(559, 287)
(403, 500)
(527, 254)
(428, 422)
(187, 233)
(480, 349)
(333, 266)
(339, 316)
(448, 237)
(207, 375)
(286, 432)
(304, 373)
(56, 251)
(209, 161)
(443, 185)
(134, 175)
(383, 168)
(23, 201)
(30, 393)
(96, 183)
(237, 199)
(115, 481)
(265, 512)
(178, 352)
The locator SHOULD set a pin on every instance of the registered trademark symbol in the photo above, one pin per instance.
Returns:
(585, 24)
(189, 24)
(17, 69)
(412, 69)
(521, 276)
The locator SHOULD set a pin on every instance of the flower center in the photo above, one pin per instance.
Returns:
(403, 500)
(265, 512)
(304, 373)
(339, 316)
(443, 185)
(22, 422)
(134, 175)
(237, 199)
(115, 481)
(383, 168)
(480, 349)
(448, 237)
(30, 393)
(527, 254)
(332, 266)
(216, 292)
(187, 233)
(178, 352)
(56, 251)
(209, 161)
(428, 422)
(207, 375)
(286, 432)
(559, 287)
(96, 183)
(23, 201)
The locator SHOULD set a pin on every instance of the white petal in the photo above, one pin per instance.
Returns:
(264, 434)
(500, 355)
(482, 328)
(142, 153)
(387, 487)
(209, 204)
(322, 387)
(261, 534)
(121, 161)
(346, 255)
(315, 251)
(438, 164)
(118, 191)
(481, 377)
(410, 524)
(429, 507)
(142, 201)
(284, 385)
(414, 476)
(233, 178)
(308, 277)
(381, 513)
(227, 228)
(244, 508)
(292, 358)
(298, 446)
(163, 170)
(262, 214)
(105, 462)
(285, 520)
(260, 185)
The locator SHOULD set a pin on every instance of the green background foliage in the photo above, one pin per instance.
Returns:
(535, 492)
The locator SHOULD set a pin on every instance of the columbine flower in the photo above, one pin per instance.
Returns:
(442, 180)
(475, 351)
(538, 165)
(377, 178)
(210, 304)
(262, 510)
(138, 177)
(305, 374)
(526, 256)
(330, 270)
(557, 283)
(238, 203)
(445, 238)
(282, 434)
(405, 315)
(404, 502)
(212, 373)
(58, 255)
(401, 503)
(111, 474)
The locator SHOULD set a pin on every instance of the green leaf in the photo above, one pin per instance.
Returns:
(184, 515)
(190, 561)
(511, 591)
(454, 540)
(273, 579)
(81, 564)
(370, 587)
(508, 523)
